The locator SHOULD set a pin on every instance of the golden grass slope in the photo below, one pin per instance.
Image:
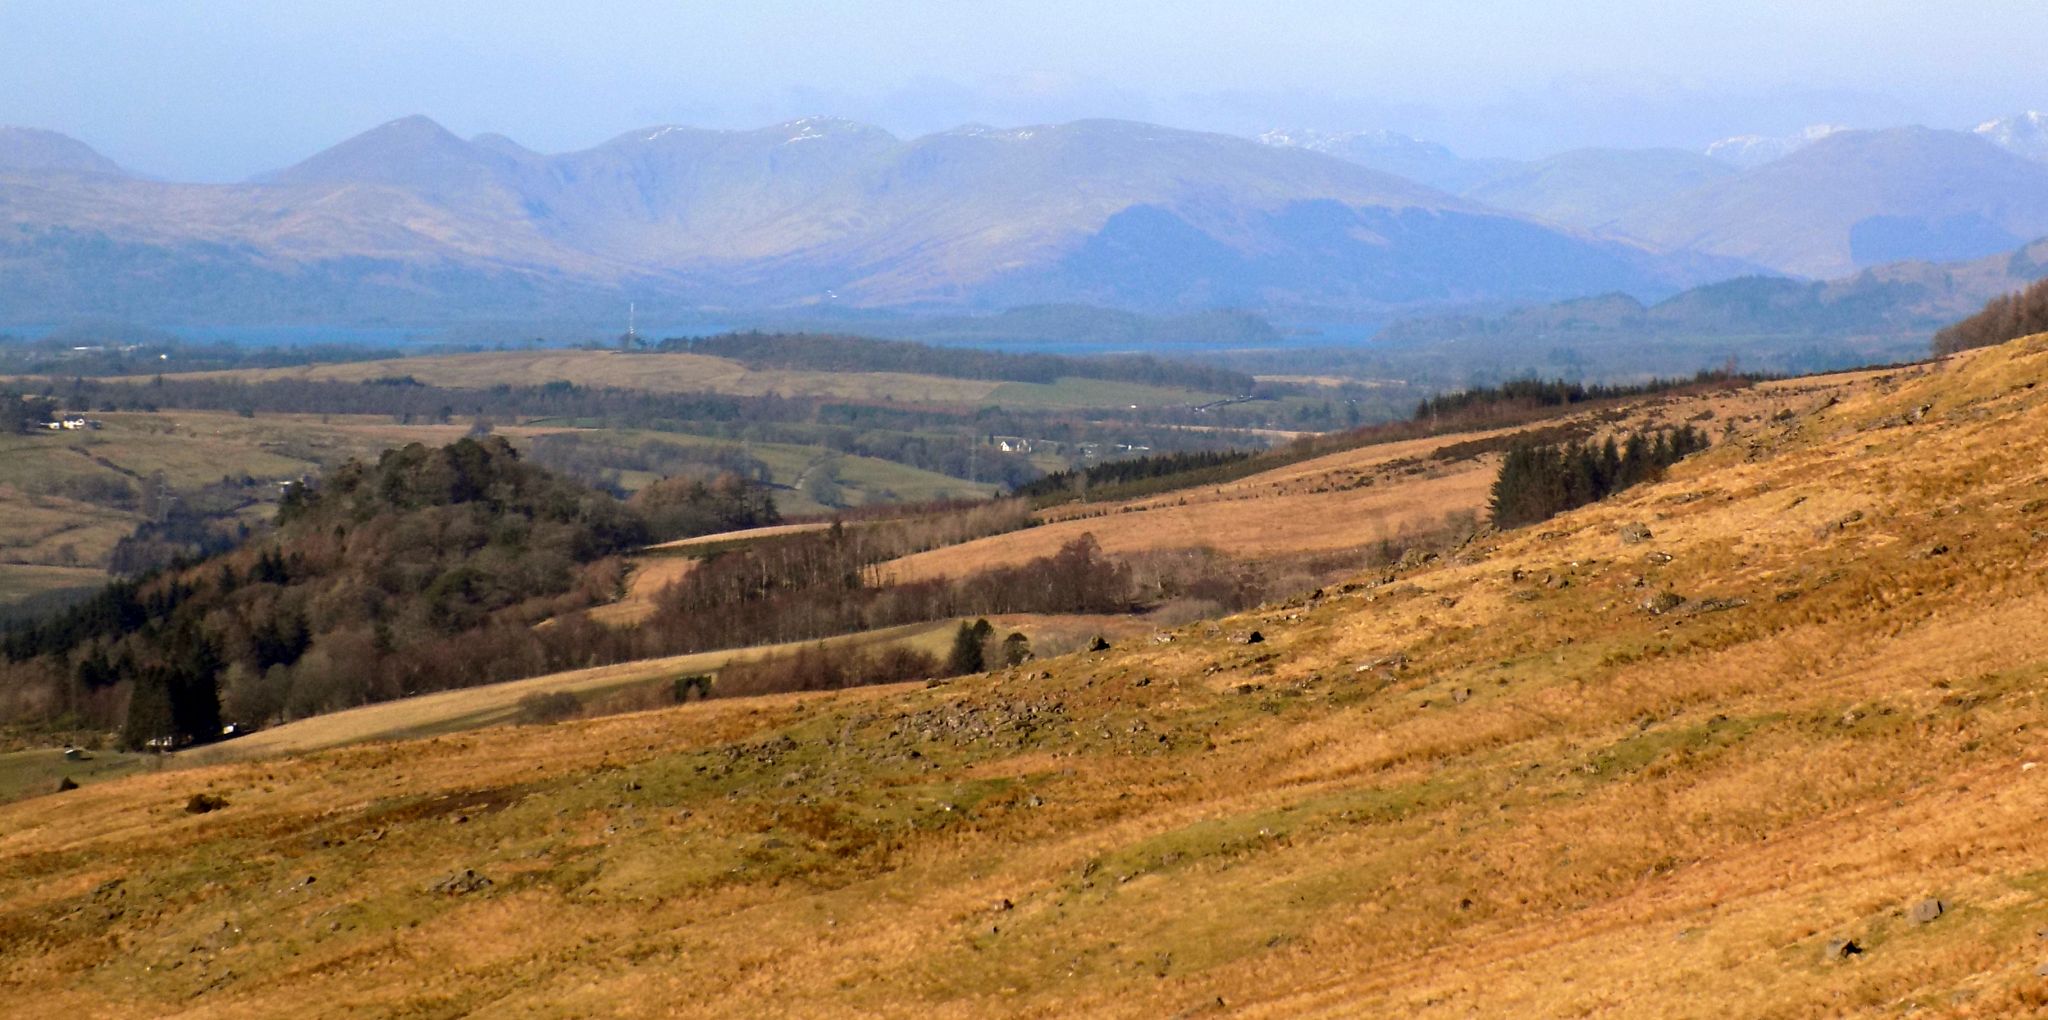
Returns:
(1491, 786)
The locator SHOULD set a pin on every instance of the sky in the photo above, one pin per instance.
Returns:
(224, 89)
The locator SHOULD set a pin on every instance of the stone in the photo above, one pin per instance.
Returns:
(1254, 638)
(461, 883)
(201, 803)
(66, 783)
(1926, 911)
(1635, 533)
(1100, 644)
(1840, 949)
(1662, 602)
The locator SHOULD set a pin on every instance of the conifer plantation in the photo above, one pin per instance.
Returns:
(1539, 481)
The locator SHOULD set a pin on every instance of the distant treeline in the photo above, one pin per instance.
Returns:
(1502, 406)
(1539, 393)
(838, 353)
(1538, 482)
(42, 357)
(2015, 315)
(1136, 469)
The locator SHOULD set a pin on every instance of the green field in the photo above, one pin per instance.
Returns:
(36, 772)
(863, 480)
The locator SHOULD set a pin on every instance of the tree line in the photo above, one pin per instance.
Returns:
(827, 352)
(2023, 313)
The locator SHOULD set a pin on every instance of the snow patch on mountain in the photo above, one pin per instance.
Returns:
(2024, 134)
(1748, 151)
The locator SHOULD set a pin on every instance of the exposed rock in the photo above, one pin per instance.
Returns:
(77, 754)
(1662, 602)
(201, 803)
(1635, 533)
(1926, 911)
(460, 883)
(1715, 605)
(1100, 644)
(1254, 638)
(66, 783)
(1840, 949)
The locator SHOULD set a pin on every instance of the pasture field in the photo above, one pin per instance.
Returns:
(698, 373)
(1718, 771)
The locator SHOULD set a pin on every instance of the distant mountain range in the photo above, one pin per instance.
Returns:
(1822, 203)
(409, 222)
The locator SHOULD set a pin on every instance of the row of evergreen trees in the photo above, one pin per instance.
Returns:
(1537, 482)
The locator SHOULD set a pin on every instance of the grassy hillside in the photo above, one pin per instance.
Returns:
(1559, 773)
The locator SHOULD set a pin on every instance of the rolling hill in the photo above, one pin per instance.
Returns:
(1886, 313)
(1855, 199)
(407, 222)
(1759, 739)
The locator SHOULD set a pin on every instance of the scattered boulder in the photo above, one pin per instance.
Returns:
(1840, 949)
(202, 803)
(1715, 605)
(66, 783)
(1635, 533)
(1254, 638)
(1662, 602)
(1414, 558)
(1926, 911)
(1100, 644)
(77, 754)
(460, 883)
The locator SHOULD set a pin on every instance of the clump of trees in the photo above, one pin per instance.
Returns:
(1539, 481)
(2010, 317)
(823, 667)
(20, 413)
(681, 507)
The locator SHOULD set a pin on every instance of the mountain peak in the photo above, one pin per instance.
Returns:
(37, 150)
(414, 152)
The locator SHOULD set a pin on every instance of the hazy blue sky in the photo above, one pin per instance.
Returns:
(226, 88)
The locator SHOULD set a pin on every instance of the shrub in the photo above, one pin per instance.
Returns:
(542, 709)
